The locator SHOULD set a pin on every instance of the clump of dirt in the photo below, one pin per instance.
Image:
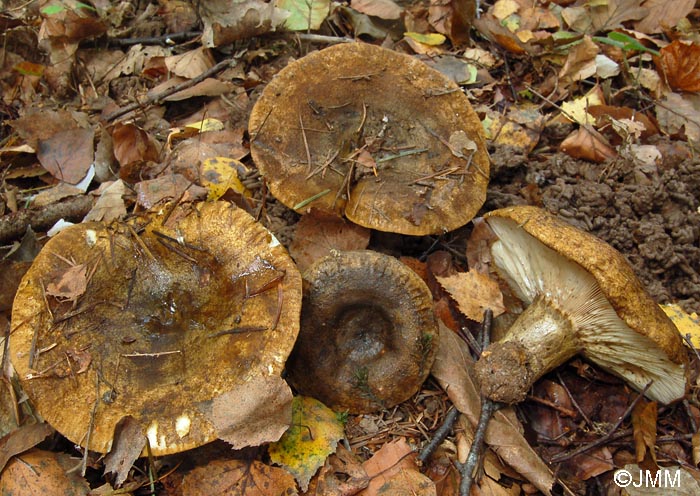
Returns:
(649, 213)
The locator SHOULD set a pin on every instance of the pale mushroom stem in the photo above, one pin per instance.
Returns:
(541, 339)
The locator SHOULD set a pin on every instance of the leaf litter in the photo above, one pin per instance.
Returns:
(644, 180)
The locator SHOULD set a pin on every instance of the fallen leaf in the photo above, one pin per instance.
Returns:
(56, 193)
(153, 191)
(191, 63)
(319, 232)
(384, 9)
(219, 174)
(680, 112)
(611, 14)
(69, 284)
(644, 416)
(20, 440)
(256, 412)
(313, 435)
(679, 64)
(304, 14)
(67, 155)
(663, 15)
(432, 39)
(42, 473)
(474, 292)
(238, 477)
(454, 370)
(231, 20)
(110, 205)
(133, 145)
(393, 470)
(341, 475)
(129, 441)
(580, 62)
(591, 464)
(587, 144)
(686, 323)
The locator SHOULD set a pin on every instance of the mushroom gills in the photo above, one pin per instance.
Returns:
(567, 314)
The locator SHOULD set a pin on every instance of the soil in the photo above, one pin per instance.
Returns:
(650, 214)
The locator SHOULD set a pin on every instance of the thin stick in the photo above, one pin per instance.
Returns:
(468, 469)
(586, 447)
(315, 197)
(224, 64)
(152, 355)
(237, 330)
(439, 436)
(306, 143)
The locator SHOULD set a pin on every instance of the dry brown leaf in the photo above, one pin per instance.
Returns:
(21, 439)
(474, 292)
(384, 9)
(587, 144)
(43, 472)
(393, 470)
(56, 193)
(342, 475)
(663, 15)
(492, 29)
(680, 112)
(644, 418)
(591, 464)
(153, 191)
(580, 62)
(69, 284)
(129, 441)
(319, 232)
(110, 205)
(190, 64)
(224, 22)
(208, 87)
(679, 64)
(613, 13)
(238, 478)
(67, 155)
(454, 370)
(256, 412)
(133, 145)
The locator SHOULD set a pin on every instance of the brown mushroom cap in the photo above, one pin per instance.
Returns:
(368, 333)
(335, 112)
(590, 288)
(151, 336)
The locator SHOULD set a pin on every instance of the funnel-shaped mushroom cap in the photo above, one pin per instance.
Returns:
(166, 319)
(368, 332)
(375, 134)
(588, 287)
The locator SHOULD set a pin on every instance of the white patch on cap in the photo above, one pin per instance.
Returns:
(152, 433)
(91, 237)
(182, 426)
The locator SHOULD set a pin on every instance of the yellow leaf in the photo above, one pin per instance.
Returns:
(313, 435)
(474, 292)
(206, 125)
(577, 110)
(686, 324)
(220, 174)
(432, 39)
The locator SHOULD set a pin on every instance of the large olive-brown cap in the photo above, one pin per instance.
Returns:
(171, 317)
(375, 134)
(611, 270)
(368, 333)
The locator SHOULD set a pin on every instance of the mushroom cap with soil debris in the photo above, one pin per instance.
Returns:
(154, 319)
(582, 297)
(374, 134)
(368, 333)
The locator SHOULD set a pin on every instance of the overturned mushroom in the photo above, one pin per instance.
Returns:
(374, 134)
(582, 297)
(154, 320)
(368, 333)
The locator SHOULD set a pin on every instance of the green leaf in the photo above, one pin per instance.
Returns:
(313, 435)
(53, 9)
(304, 14)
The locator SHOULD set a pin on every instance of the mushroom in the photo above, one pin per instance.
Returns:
(368, 333)
(153, 319)
(582, 297)
(374, 134)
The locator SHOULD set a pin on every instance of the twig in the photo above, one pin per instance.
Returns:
(573, 400)
(165, 39)
(224, 64)
(440, 435)
(582, 449)
(152, 355)
(14, 225)
(488, 406)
